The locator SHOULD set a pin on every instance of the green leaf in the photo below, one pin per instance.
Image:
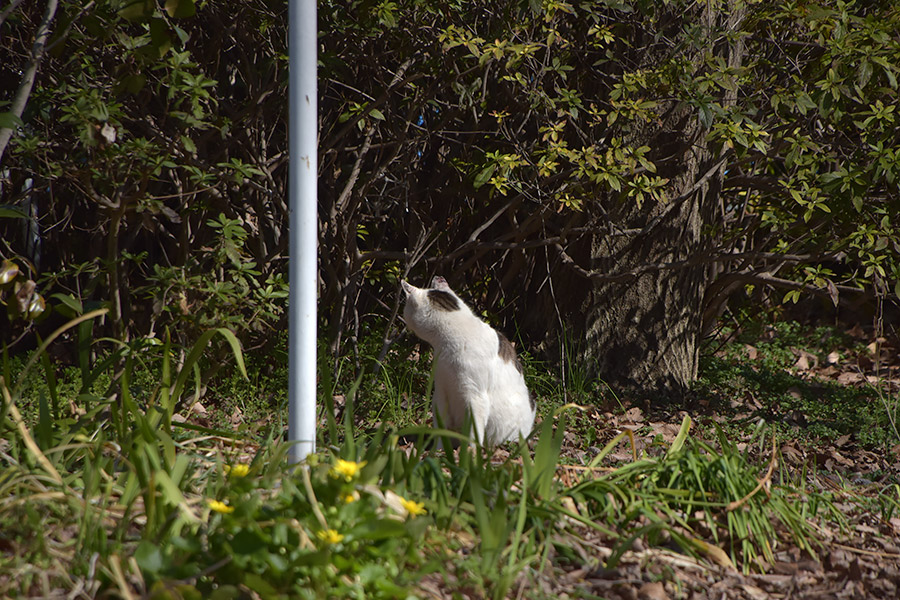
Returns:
(888, 70)
(180, 9)
(44, 431)
(9, 120)
(484, 176)
(8, 211)
(247, 542)
(188, 144)
(159, 36)
(259, 585)
(136, 10)
(149, 557)
(225, 592)
(50, 376)
(377, 529)
(173, 495)
(792, 296)
(70, 302)
(678, 443)
(194, 356)
(133, 83)
(865, 73)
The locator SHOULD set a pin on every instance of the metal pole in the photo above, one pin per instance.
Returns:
(302, 270)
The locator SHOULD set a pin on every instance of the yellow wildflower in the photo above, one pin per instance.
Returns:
(412, 507)
(238, 470)
(329, 536)
(219, 506)
(346, 469)
(350, 497)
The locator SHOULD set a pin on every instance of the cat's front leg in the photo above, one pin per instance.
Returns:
(479, 409)
(439, 409)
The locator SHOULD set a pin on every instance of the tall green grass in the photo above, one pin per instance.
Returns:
(123, 500)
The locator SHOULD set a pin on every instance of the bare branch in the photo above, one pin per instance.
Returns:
(768, 278)
(29, 73)
(701, 259)
(354, 174)
(8, 10)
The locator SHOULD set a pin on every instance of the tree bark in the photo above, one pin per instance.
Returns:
(644, 331)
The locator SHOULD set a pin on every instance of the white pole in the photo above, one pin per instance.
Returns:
(302, 270)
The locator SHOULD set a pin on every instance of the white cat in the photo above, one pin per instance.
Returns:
(477, 374)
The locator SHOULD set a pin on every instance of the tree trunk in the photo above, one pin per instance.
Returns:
(645, 310)
(644, 332)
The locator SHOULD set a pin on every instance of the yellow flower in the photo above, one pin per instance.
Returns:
(329, 536)
(413, 508)
(350, 497)
(219, 506)
(346, 469)
(238, 470)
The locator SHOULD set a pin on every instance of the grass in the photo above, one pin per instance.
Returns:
(120, 499)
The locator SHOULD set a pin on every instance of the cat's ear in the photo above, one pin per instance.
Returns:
(439, 283)
(407, 288)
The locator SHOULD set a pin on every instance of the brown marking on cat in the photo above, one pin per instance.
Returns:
(507, 351)
(443, 300)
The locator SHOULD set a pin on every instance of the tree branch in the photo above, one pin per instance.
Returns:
(8, 10)
(29, 72)
(707, 258)
(767, 278)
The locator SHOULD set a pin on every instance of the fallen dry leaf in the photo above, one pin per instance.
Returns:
(714, 553)
(849, 378)
(652, 591)
(805, 360)
(754, 592)
(668, 431)
(895, 524)
(634, 415)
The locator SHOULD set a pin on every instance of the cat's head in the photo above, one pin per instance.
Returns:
(428, 309)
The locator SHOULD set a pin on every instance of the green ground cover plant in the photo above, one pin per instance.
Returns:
(764, 372)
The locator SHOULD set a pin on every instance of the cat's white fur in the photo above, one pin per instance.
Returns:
(476, 373)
